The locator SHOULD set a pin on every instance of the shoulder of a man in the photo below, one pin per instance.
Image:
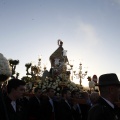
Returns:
(96, 112)
(97, 107)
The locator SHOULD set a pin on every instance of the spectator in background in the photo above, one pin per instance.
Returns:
(86, 96)
(85, 106)
(77, 114)
(49, 106)
(65, 107)
(105, 109)
(94, 96)
(35, 105)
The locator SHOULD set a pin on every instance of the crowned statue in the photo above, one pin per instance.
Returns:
(58, 77)
(59, 62)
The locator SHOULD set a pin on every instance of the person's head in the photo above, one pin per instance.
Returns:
(50, 92)
(94, 97)
(66, 94)
(109, 86)
(85, 95)
(37, 92)
(75, 94)
(16, 88)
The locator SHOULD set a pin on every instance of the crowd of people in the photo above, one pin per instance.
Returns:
(98, 105)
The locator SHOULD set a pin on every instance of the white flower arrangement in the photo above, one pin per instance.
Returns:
(56, 85)
(57, 94)
(72, 85)
(4, 66)
(58, 89)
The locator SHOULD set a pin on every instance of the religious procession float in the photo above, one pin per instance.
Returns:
(58, 77)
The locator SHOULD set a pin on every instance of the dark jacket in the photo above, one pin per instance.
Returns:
(77, 112)
(84, 110)
(3, 109)
(65, 111)
(103, 111)
(83, 113)
(12, 114)
(49, 112)
(34, 108)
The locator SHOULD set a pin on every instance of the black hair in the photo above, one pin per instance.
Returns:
(74, 92)
(48, 89)
(14, 83)
(36, 89)
(64, 91)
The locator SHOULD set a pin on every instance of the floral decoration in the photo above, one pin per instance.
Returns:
(5, 69)
(57, 85)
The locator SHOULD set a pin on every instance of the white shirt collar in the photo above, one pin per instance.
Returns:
(13, 103)
(109, 102)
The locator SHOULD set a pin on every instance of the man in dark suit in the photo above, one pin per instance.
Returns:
(105, 109)
(75, 105)
(34, 105)
(80, 110)
(49, 106)
(15, 90)
(65, 107)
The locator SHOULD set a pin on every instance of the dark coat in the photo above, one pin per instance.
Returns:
(47, 109)
(83, 114)
(77, 113)
(12, 114)
(65, 112)
(34, 108)
(3, 109)
(84, 110)
(23, 102)
(103, 111)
